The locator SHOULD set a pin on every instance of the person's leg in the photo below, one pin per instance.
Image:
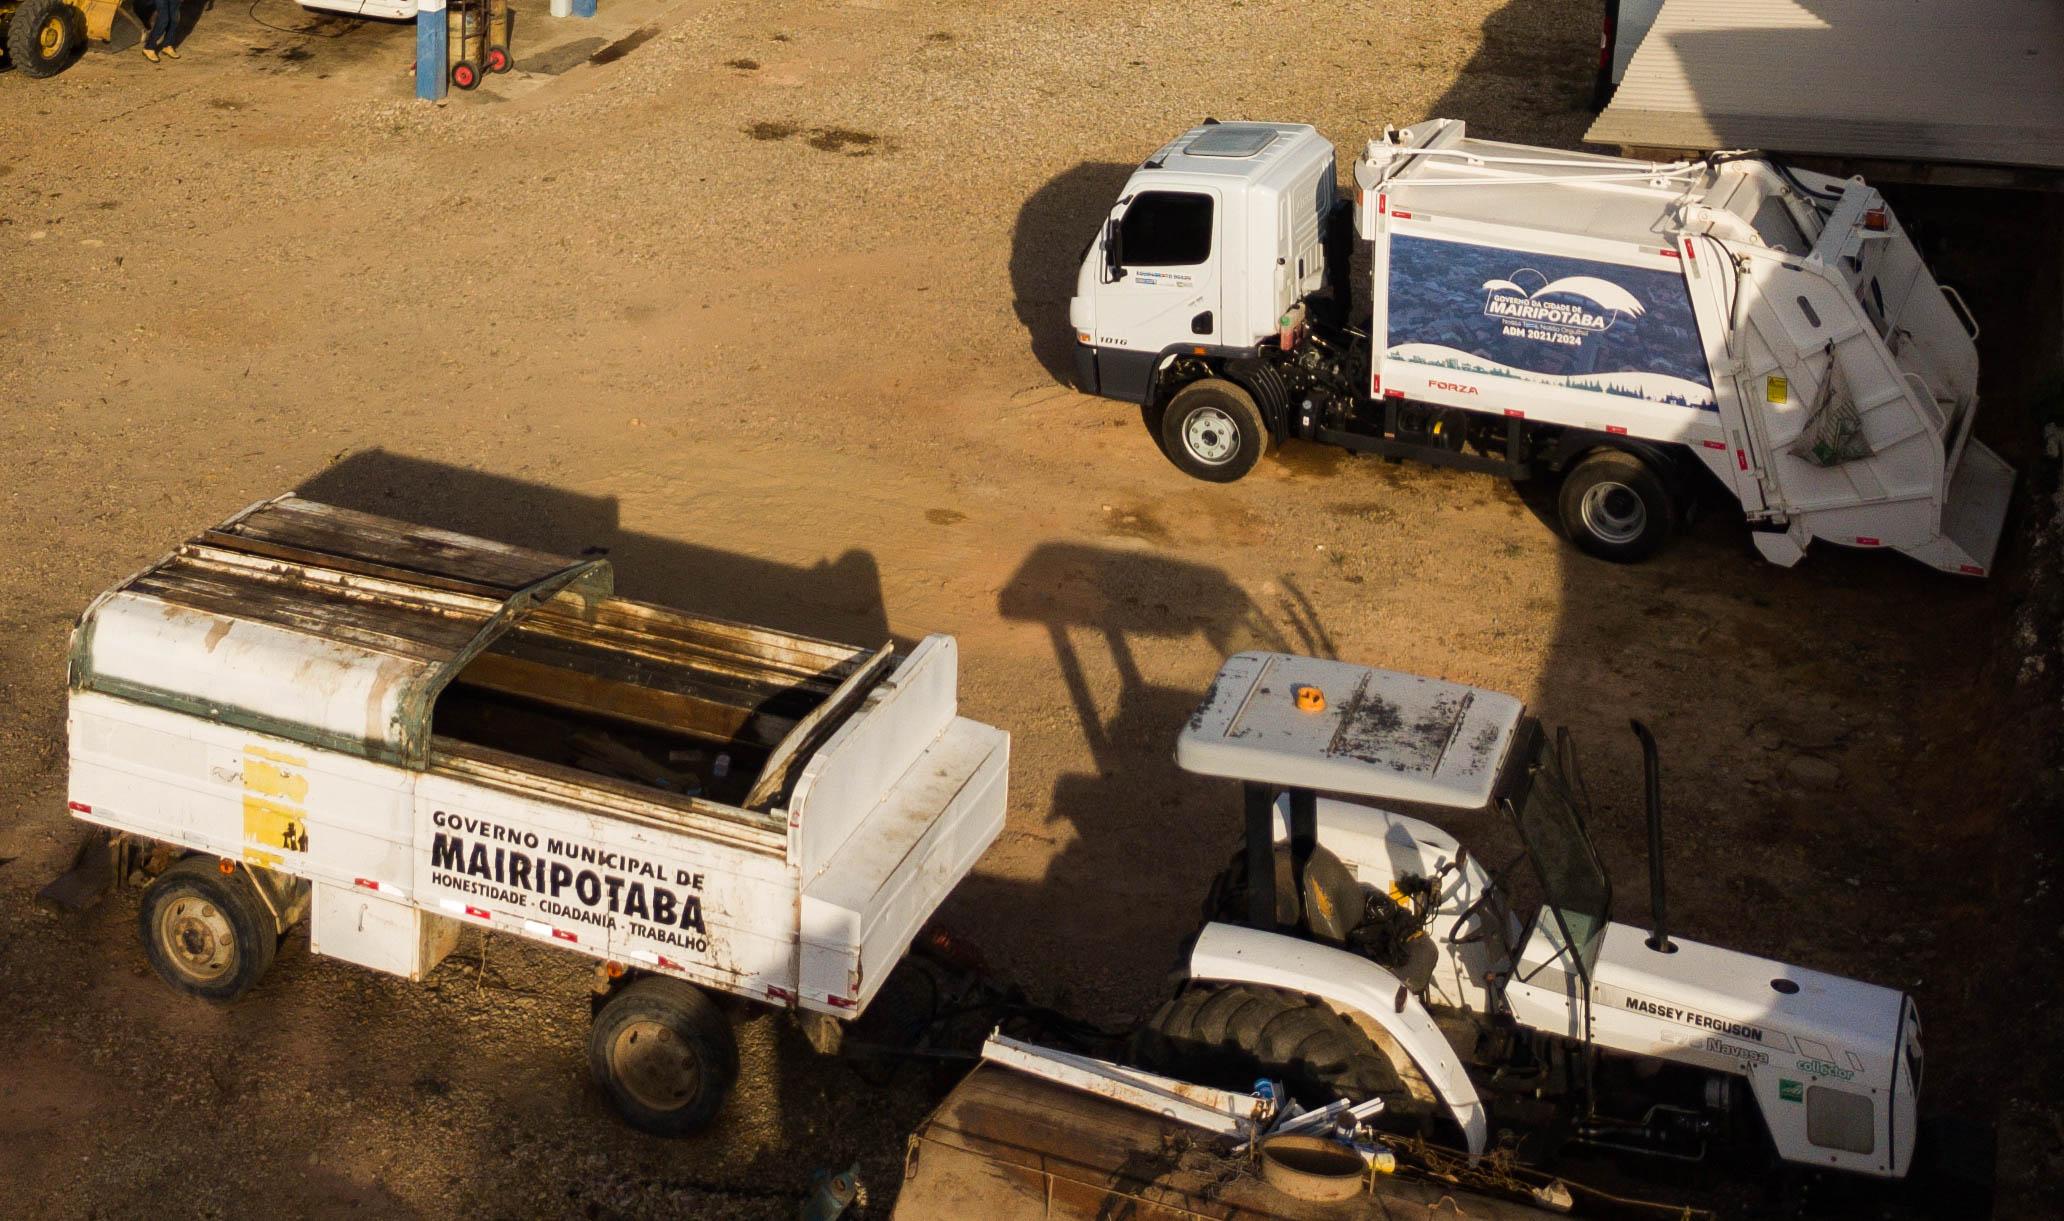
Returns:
(171, 27)
(162, 16)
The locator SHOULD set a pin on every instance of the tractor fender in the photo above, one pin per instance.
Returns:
(1355, 986)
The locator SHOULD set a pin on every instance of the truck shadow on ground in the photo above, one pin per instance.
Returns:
(1058, 221)
(839, 599)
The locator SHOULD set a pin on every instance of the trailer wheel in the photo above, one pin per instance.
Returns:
(1212, 430)
(664, 1055)
(1616, 507)
(1231, 1034)
(45, 36)
(207, 932)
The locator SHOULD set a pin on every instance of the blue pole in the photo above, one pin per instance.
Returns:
(584, 8)
(433, 50)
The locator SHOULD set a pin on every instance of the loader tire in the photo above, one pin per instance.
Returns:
(1213, 431)
(1230, 1035)
(45, 36)
(206, 932)
(664, 1055)
(1616, 507)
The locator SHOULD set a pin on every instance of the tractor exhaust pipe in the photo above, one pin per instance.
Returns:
(1652, 792)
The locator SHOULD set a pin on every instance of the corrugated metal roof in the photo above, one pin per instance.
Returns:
(1957, 81)
(315, 623)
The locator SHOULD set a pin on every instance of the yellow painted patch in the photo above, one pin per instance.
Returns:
(264, 860)
(1777, 390)
(271, 780)
(274, 824)
(273, 800)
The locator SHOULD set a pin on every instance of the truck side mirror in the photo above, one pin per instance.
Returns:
(1114, 250)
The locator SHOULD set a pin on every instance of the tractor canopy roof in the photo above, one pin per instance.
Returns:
(1277, 718)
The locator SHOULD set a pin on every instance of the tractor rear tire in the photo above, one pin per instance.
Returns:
(45, 36)
(1230, 1035)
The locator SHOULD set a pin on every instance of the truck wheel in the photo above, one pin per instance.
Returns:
(1232, 1034)
(663, 1054)
(1614, 506)
(207, 932)
(45, 36)
(1212, 430)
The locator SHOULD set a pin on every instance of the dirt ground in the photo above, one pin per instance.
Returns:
(768, 301)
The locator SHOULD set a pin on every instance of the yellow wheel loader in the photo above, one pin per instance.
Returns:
(43, 37)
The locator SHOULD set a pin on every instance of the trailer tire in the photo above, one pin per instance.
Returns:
(44, 37)
(1616, 507)
(206, 932)
(1231, 1034)
(1212, 430)
(664, 1055)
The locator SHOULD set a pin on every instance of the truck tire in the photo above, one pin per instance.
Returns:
(45, 36)
(663, 1054)
(206, 932)
(1616, 507)
(1212, 430)
(1230, 1035)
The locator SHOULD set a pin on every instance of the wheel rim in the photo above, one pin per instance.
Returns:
(197, 939)
(50, 37)
(1614, 512)
(1210, 436)
(654, 1066)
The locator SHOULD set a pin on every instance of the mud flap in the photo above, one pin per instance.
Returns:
(91, 876)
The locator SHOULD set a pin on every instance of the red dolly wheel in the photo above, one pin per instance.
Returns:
(498, 59)
(465, 74)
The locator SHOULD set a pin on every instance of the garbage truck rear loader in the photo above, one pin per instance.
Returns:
(1640, 329)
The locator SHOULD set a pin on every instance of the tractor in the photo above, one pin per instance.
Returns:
(1351, 951)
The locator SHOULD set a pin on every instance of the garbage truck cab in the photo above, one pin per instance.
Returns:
(1214, 238)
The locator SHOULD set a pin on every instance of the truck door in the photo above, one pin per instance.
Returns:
(1161, 281)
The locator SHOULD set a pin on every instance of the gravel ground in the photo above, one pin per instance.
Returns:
(771, 304)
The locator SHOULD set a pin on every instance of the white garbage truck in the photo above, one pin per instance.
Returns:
(1355, 951)
(402, 733)
(1644, 330)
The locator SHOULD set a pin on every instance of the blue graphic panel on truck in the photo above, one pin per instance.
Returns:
(1579, 324)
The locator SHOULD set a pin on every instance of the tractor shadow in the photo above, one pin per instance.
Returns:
(1130, 830)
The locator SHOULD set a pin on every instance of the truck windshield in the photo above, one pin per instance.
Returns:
(1575, 889)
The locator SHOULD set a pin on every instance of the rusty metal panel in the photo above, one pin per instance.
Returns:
(315, 624)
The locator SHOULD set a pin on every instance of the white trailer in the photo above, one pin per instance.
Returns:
(1646, 330)
(403, 732)
(1354, 951)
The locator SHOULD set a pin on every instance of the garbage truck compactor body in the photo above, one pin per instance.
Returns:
(402, 733)
(1622, 322)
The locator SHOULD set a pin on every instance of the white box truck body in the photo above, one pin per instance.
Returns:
(414, 731)
(1627, 323)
